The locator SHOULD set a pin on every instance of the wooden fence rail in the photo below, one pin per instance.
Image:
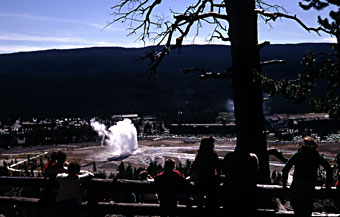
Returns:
(124, 185)
(97, 186)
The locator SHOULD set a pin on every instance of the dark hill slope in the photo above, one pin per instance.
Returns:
(104, 81)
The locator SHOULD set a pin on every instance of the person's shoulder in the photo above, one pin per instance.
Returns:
(214, 154)
(178, 173)
(61, 176)
(229, 155)
(296, 154)
(321, 157)
(159, 175)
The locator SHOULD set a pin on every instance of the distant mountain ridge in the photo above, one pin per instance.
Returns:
(104, 81)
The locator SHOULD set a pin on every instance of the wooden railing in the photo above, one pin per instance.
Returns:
(98, 207)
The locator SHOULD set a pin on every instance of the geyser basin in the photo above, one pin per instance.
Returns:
(120, 140)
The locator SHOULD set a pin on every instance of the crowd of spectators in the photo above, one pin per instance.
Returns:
(238, 172)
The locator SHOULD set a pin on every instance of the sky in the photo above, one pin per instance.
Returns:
(30, 25)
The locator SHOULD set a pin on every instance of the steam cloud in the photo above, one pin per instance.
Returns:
(230, 106)
(120, 139)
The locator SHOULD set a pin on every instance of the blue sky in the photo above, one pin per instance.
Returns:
(62, 24)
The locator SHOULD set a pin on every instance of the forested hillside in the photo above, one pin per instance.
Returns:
(105, 81)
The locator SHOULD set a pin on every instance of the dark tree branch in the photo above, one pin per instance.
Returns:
(208, 75)
(181, 20)
(139, 14)
(266, 6)
(138, 11)
(188, 70)
(219, 5)
(220, 36)
(274, 16)
(272, 62)
(192, 17)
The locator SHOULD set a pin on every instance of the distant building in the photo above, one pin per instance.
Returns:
(316, 122)
(123, 116)
(196, 129)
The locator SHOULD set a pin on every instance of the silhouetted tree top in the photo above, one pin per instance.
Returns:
(149, 23)
(231, 21)
(329, 68)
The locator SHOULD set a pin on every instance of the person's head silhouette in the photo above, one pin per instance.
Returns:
(207, 145)
(169, 165)
(61, 157)
(73, 168)
(308, 144)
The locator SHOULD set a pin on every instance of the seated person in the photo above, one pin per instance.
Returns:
(69, 195)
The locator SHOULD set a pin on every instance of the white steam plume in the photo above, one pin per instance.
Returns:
(100, 129)
(230, 106)
(120, 139)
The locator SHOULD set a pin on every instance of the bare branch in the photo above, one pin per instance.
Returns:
(220, 5)
(141, 10)
(272, 62)
(181, 20)
(139, 14)
(201, 16)
(266, 6)
(219, 36)
(208, 75)
(274, 16)
(193, 69)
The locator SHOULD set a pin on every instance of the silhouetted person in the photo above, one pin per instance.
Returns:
(207, 171)
(69, 195)
(337, 170)
(50, 164)
(55, 165)
(169, 183)
(241, 169)
(147, 197)
(306, 162)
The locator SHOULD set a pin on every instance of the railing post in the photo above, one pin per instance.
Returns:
(92, 199)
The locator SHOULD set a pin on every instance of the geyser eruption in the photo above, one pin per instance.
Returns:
(120, 139)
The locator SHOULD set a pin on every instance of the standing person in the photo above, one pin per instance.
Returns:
(69, 195)
(306, 162)
(50, 164)
(207, 170)
(169, 183)
(336, 169)
(53, 167)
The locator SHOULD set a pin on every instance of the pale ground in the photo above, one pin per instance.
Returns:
(151, 149)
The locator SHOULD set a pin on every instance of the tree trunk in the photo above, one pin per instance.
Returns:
(247, 94)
